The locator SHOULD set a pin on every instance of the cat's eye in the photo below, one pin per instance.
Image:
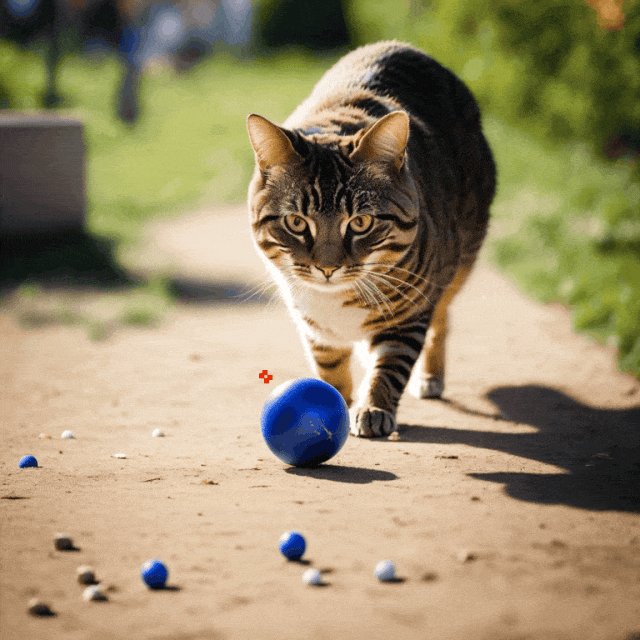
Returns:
(361, 224)
(295, 223)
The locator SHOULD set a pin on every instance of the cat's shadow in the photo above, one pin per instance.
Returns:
(596, 451)
(338, 473)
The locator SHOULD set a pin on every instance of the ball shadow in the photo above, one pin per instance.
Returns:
(349, 475)
(301, 561)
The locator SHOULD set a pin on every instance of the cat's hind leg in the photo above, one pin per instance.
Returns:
(333, 365)
(429, 381)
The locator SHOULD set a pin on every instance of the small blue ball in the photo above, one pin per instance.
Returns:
(305, 422)
(292, 545)
(27, 461)
(154, 573)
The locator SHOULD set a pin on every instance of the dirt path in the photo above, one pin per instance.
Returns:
(531, 464)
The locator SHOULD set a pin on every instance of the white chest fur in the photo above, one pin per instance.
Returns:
(331, 322)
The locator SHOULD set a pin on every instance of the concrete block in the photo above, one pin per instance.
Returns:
(42, 173)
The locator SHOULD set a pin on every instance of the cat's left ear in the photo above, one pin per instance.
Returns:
(386, 140)
(270, 143)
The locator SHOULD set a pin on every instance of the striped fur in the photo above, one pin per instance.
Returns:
(368, 206)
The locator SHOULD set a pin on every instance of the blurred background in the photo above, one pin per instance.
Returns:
(163, 89)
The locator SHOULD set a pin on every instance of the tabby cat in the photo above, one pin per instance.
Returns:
(368, 206)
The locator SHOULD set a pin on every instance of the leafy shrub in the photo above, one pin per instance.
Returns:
(319, 25)
(547, 62)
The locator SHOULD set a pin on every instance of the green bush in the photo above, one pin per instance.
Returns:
(546, 63)
(319, 25)
(584, 81)
(566, 227)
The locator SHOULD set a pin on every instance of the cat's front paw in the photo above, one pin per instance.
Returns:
(427, 387)
(371, 422)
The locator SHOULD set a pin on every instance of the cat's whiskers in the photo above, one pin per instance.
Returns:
(409, 272)
(258, 290)
(371, 293)
(386, 277)
(361, 293)
(395, 289)
(292, 280)
(390, 267)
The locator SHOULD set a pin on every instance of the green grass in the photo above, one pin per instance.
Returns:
(100, 315)
(190, 146)
(567, 228)
(564, 224)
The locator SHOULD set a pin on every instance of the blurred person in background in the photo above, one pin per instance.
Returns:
(177, 33)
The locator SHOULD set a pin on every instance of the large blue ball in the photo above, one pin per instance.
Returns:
(305, 422)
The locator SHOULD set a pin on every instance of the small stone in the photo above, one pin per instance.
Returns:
(39, 608)
(94, 593)
(157, 433)
(394, 436)
(86, 575)
(467, 556)
(120, 455)
(67, 434)
(429, 576)
(63, 542)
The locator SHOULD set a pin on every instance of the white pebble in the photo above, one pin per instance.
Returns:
(120, 455)
(67, 434)
(157, 433)
(63, 542)
(394, 436)
(86, 575)
(94, 593)
(312, 576)
(385, 571)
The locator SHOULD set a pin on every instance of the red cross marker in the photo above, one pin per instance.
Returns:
(266, 376)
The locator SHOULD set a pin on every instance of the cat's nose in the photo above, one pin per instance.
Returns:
(328, 271)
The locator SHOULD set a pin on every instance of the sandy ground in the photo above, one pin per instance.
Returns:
(529, 468)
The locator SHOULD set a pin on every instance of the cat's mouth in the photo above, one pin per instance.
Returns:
(327, 280)
(327, 285)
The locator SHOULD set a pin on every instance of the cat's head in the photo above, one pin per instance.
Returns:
(326, 209)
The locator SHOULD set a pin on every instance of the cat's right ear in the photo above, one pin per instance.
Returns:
(386, 140)
(270, 143)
